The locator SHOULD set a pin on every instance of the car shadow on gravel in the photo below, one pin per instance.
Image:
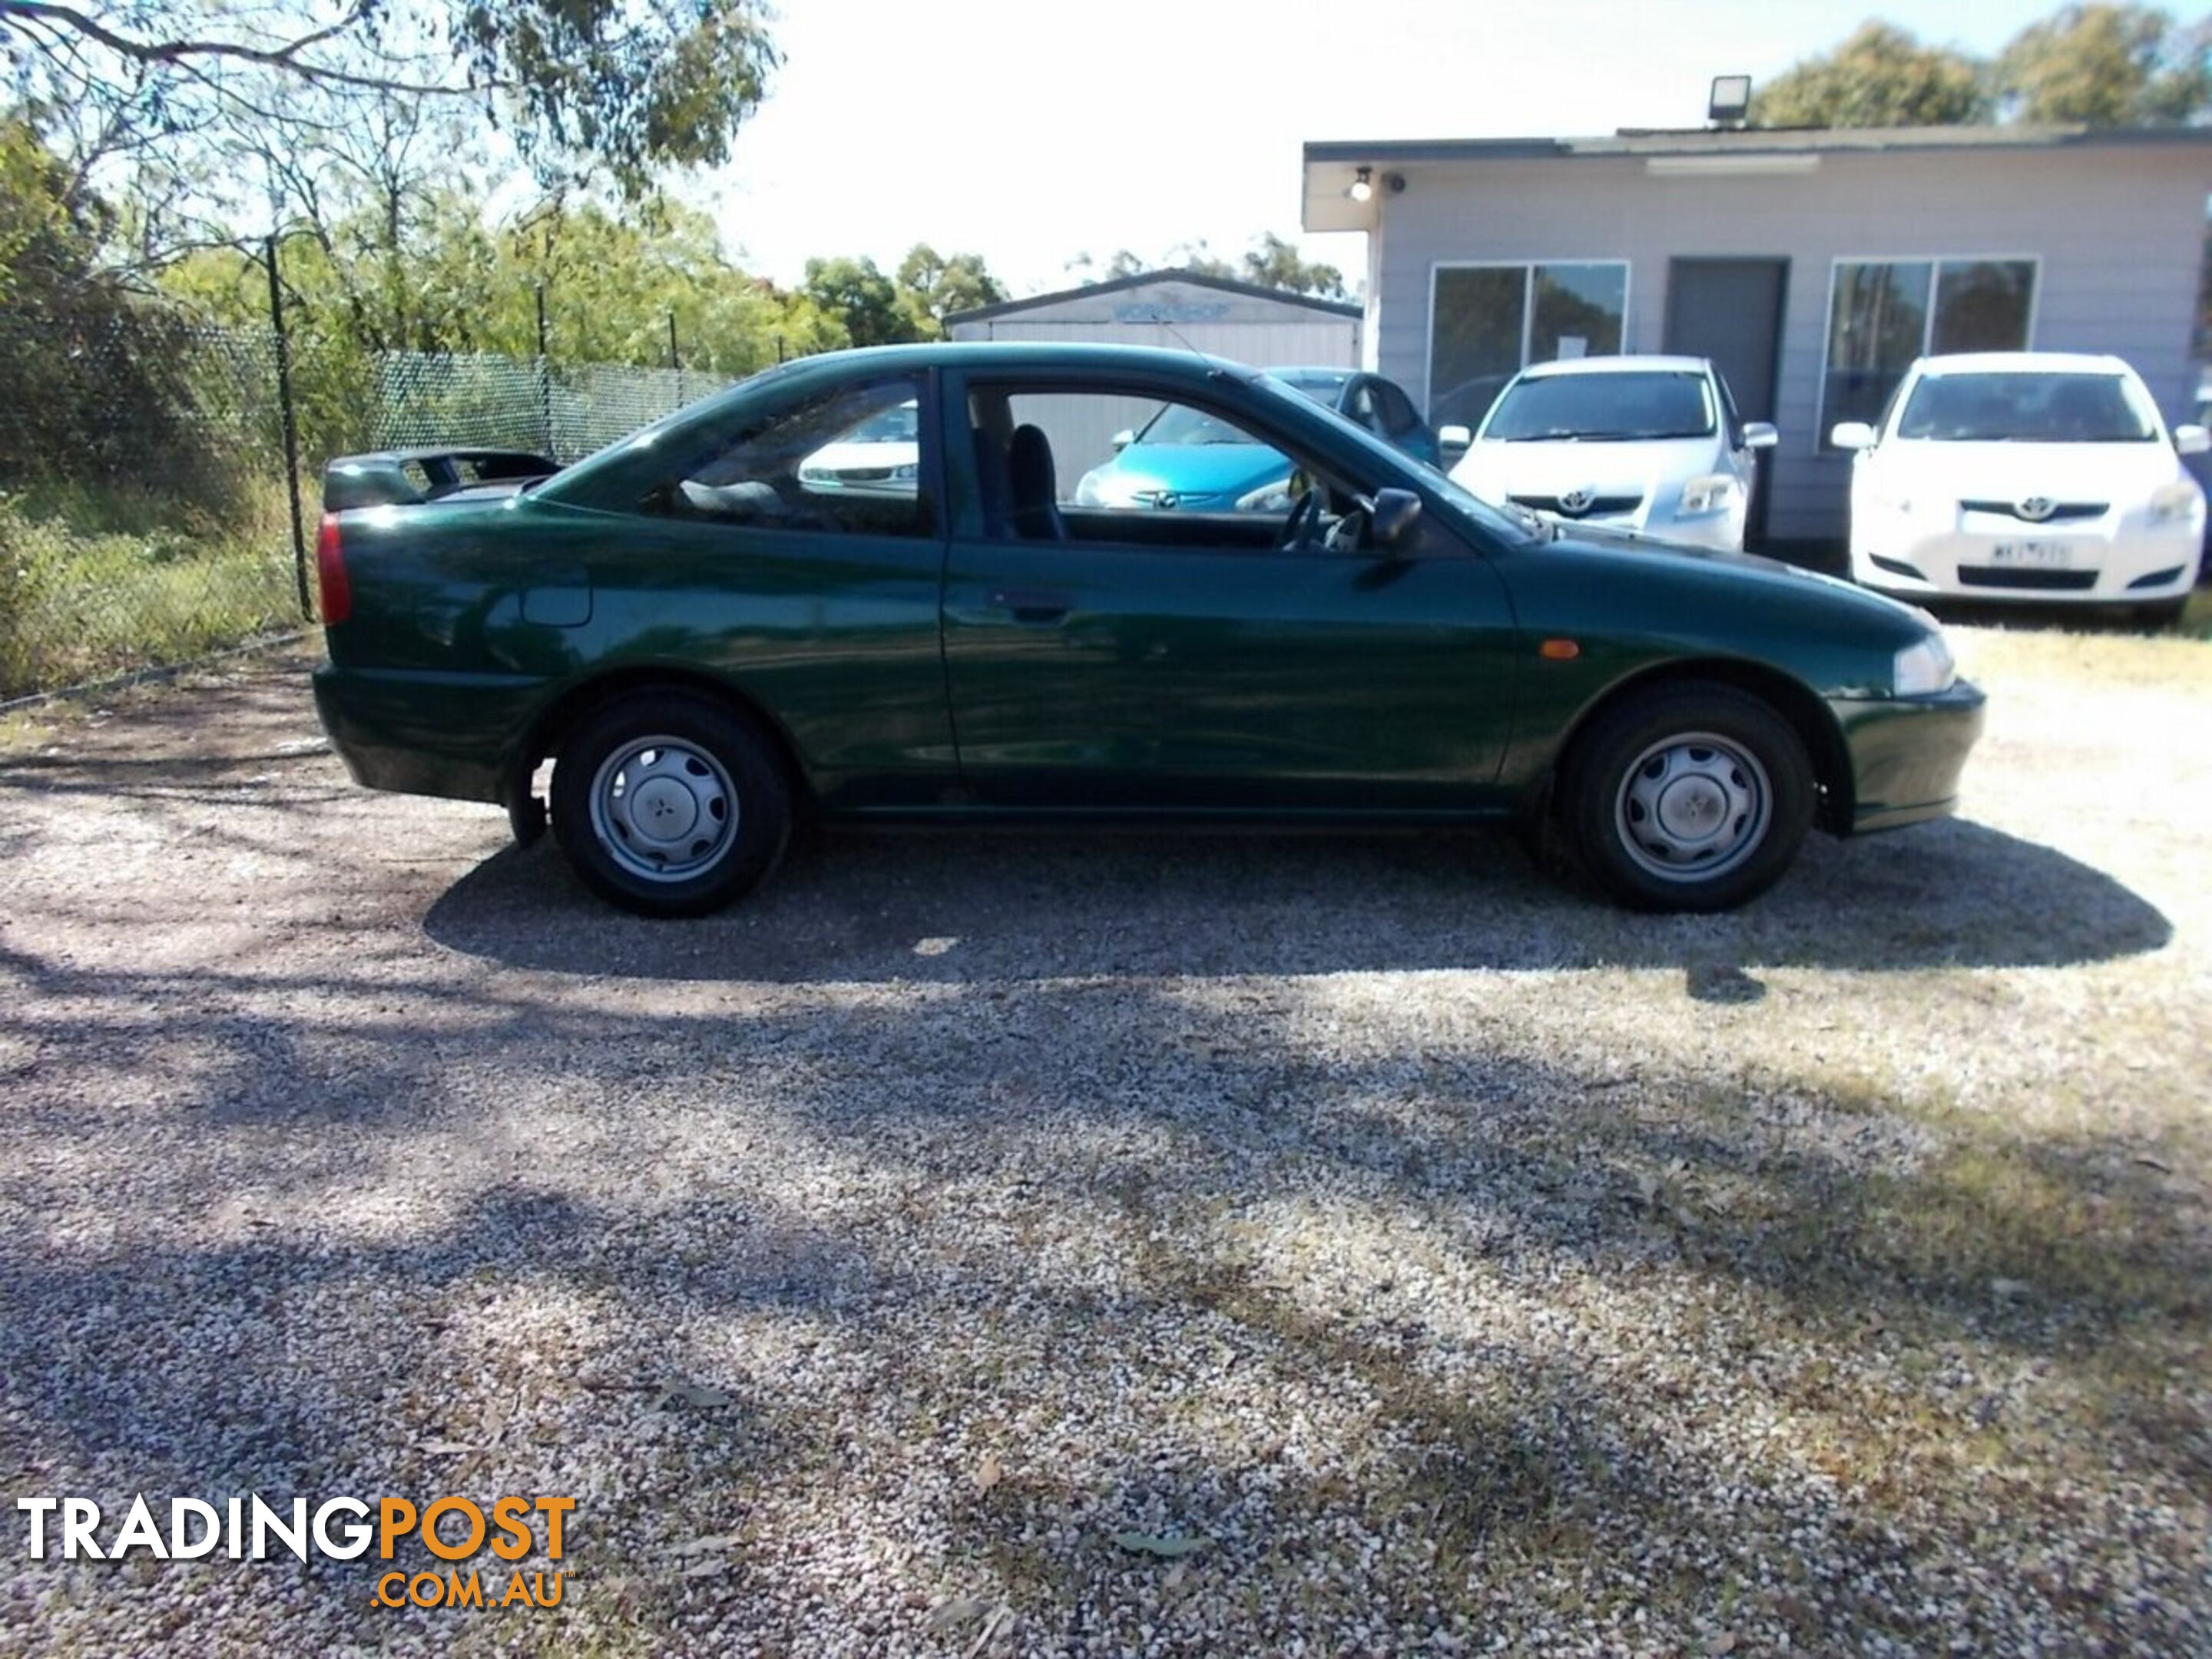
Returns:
(959, 907)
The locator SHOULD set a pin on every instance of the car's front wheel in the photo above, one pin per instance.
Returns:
(1691, 797)
(669, 804)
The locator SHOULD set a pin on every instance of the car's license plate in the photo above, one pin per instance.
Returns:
(2050, 556)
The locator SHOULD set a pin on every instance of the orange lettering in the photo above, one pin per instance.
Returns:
(390, 1527)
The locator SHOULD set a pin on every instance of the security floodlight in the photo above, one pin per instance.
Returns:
(1731, 98)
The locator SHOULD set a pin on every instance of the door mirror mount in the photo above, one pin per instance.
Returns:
(2191, 440)
(1852, 434)
(1454, 437)
(1392, 518)
(1760, 435)
(1123, 439)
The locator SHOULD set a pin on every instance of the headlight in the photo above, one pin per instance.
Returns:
(1923, 666)
(2176, 503)
(907, 473)
(1268, 498)
(1714, 492)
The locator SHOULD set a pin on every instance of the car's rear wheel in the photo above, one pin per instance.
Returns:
(1687, 798)
(669, 804)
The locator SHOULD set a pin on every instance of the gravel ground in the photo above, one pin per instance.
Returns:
(1440, 1261)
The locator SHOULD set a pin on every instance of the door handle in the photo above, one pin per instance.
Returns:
(1033, 607)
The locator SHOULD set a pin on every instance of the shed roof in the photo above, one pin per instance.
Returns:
(1332, 165)
(1173, 274)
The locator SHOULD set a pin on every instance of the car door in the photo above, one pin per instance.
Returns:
(1154, 658)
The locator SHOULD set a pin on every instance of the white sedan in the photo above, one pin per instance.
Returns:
(1650, 444)
(2025, 475)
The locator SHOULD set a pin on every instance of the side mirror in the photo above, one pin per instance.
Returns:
(1392, 516)
(1123, 439)
(1454, 437)
(1852, 434)
(1761, 434)
(2191, 440)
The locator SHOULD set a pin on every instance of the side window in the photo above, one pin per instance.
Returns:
(848, 458)
(1360, 406)
(1095, 465)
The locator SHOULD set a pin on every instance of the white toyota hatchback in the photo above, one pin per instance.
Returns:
(2025, 475)
(1649, 444)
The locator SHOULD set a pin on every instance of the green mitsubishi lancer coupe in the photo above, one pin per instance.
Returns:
(762, 607)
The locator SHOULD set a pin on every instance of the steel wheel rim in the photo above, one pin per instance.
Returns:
(1693, 806)
(664, 808)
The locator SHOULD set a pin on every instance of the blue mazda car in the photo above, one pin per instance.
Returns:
(1185, 457)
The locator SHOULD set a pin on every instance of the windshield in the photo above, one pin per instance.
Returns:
(1322, 385)
(898, 425)
(1603, 408)
(1515, 524)
(2050, 408)
(1181, 424)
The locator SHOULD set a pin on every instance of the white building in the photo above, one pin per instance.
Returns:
(1813, 265)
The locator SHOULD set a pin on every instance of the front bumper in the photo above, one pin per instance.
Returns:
(2090, 561)
(1907, 753)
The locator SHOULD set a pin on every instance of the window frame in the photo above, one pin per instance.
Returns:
(1934, 262)
(1529, 268)
(931, 504)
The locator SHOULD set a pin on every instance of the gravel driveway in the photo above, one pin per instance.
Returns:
(1393, 1252)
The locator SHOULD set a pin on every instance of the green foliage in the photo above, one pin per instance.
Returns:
(1274, 262)
(2106, 65)
(614, 89)
(1881, 76)
(2100, 65)
(96, 582)
(1271, 262)
(862, 299)
(936, 286)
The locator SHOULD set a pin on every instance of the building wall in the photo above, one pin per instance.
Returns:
(2117, 231)
(1246, 328)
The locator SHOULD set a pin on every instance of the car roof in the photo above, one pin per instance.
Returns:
(2024, 362)
(1626, 363)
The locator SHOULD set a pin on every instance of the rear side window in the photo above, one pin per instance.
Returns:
(845, 459)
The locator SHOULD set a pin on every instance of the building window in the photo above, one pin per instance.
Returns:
(1489, 322)
(1882, 314)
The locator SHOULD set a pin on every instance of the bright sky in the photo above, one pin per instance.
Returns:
(1031, 130)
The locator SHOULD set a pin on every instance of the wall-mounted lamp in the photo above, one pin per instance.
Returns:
(1362, 187)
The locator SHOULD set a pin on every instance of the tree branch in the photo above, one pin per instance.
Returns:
(285, 57)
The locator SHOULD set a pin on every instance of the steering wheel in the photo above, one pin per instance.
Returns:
(1305, 513)
(1343, 535)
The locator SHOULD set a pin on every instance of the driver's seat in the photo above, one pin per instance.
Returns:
(1035, 489)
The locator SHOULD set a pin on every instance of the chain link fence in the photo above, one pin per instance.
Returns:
(148, 471)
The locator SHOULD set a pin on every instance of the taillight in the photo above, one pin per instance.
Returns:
(330, 578)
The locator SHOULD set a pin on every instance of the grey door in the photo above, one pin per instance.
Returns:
(1731, 311)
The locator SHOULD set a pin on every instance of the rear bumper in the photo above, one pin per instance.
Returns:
(452, 735)
(1907, 753)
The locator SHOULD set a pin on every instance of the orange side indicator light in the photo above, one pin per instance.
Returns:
(1558, 650)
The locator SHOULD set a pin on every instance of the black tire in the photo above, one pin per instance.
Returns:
(1738, 765)
(715, 779)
